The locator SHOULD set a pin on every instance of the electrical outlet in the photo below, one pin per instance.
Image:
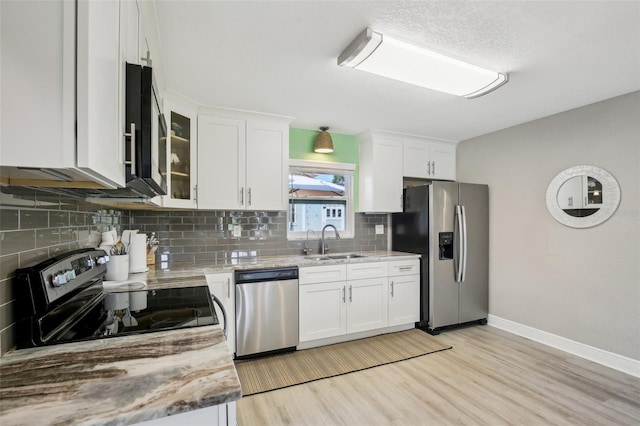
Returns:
(237, 230)
(379, 229)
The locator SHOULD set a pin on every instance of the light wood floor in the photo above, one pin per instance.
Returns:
(490, 377)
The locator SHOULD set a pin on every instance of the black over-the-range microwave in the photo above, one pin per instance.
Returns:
(146, 131)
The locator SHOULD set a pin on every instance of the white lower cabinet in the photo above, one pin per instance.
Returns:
(323, 312)
(338, 300)
(322, 309)
(221, 286)
(217, 415)
(404, 292)
(367, 304)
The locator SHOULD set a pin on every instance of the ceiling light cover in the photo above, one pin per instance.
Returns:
(324, 143)
(398, 60)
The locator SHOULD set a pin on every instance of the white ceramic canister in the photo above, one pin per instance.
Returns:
(118, 268)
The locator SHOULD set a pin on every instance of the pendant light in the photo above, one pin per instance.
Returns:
(324, 144)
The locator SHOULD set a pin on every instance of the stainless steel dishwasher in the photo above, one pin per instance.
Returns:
(266, 310)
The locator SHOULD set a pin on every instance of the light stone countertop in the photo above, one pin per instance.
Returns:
(131, 379)
(160, 273)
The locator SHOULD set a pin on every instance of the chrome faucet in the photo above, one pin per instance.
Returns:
(306, 249)
(323, 247)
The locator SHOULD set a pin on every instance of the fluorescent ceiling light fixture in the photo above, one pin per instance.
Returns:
(398, 60)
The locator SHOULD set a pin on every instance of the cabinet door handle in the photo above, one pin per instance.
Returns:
(228, 288)
(350, 293)
(249, 196)
(429, 168)
(405, 268)
(391, 288)
(344, 294)
(585, 201)
(195, 193)
(242, 196)
(433, 167)
(132, 148)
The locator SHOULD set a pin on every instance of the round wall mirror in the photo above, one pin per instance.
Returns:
(583, 196)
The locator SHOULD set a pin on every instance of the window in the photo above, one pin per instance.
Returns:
(320, 194)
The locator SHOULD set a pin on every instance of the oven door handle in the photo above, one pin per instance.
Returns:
(224, 314)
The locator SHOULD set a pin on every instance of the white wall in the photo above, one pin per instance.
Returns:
(581, 284)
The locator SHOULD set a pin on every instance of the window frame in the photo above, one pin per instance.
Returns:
(325, 167)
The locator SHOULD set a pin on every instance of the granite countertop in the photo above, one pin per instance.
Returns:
(119, 381)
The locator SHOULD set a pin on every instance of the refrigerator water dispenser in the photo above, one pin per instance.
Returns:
(445, 244)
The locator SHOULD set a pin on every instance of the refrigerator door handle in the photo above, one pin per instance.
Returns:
(464, 245)
(458, 264)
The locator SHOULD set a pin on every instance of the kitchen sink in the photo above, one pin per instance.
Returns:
(345, 256)
(339, 256)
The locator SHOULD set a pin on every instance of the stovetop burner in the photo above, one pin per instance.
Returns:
(122, 313)
(62, 300)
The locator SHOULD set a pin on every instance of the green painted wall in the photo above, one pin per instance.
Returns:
(345, 150)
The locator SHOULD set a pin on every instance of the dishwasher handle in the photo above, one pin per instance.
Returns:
(265, 274)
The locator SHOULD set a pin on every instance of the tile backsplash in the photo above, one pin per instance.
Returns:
(195, 236)
(36, 225)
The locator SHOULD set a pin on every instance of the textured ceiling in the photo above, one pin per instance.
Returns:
(280, 57)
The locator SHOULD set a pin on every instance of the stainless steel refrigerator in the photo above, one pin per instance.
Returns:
(448, 224)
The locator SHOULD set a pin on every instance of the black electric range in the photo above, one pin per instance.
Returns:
(62, 300)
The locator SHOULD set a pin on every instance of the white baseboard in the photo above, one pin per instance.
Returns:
(609, 359)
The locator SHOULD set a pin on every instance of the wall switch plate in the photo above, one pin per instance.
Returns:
(379, 229)
(237, 230)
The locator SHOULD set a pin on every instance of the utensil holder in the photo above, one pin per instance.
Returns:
(118, 268)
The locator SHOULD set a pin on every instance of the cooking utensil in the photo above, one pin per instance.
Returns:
(119, 248)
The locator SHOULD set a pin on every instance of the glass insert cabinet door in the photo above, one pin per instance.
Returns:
(180, 157)
(180, 149)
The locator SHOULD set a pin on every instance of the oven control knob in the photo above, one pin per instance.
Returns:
(59, 279)
(102, 260)
(90, 262)
(70, 274)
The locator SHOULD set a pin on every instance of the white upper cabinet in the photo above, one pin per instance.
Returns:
(48, 85)
(380, 172)
(100, 90)
(428, 159)
(243, 160)
(266, 164)
(131, 26)
(221, 148)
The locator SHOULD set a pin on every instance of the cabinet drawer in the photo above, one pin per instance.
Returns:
(357, 271)
(322, 274)
(404, 267)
